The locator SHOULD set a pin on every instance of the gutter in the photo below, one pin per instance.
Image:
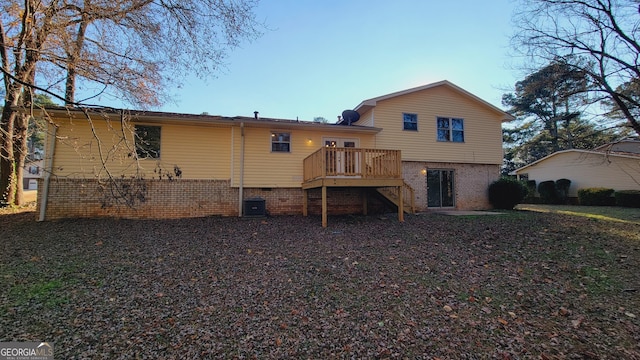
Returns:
(48, 169)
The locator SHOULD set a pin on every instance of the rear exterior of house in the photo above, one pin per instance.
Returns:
(451, 142)
(437, 141)
(199, 165)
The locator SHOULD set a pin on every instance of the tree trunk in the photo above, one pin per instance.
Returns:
(70, 87)
(21, 138)
(20, 155)
(7, 156)
(12, 120)
(556, 136)
(72, 59)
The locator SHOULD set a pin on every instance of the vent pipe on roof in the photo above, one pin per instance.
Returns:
(255, 115)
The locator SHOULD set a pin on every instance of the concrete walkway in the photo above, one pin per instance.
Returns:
(465, 212)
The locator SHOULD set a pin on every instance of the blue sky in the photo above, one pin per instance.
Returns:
(319, 58)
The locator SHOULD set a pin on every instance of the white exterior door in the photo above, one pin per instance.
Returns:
(343, 162)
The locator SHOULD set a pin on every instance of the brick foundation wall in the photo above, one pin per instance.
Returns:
(164, 199)
(471, 183)
(148, 199)
(288, 201)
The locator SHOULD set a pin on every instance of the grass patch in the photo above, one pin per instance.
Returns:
(46, 293)
(596, 281)
(27, 285)
(604, 213)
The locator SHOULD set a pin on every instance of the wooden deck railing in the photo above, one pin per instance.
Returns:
(353, 162)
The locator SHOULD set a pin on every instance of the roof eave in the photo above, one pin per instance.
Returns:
(192, 119)
(365, 106)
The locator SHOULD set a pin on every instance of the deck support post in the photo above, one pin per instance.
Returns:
(324, 206)
(400, 204)
(365, 205)
(305, 202)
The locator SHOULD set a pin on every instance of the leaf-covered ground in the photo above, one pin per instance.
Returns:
(521, 285)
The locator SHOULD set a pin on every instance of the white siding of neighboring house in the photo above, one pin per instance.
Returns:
(32, 171)
(587, 169)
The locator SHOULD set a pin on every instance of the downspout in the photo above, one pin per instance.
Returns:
(241, 180)
(373, 124)
(48, 169)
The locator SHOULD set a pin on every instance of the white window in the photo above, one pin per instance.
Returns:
(450, 129)
(280, 142)
(410, 122)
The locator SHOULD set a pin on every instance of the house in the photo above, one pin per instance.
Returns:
(434, 146)
(32, 171)
(614, 166)
(627, 145)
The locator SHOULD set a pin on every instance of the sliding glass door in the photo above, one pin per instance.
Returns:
(440, 188)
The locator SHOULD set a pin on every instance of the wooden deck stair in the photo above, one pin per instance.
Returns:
(391, 194)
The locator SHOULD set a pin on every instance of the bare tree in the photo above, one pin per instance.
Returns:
(138, 50)
(597, 37)
(23, 35)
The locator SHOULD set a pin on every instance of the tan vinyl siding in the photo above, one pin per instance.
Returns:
(587, 170)
(210, 151)
(200, 152)
(366, 119)
(266, 169)
(77, 150)
(482, 127)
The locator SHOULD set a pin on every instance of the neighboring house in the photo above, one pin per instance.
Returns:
(32, 171)
(437, 144)
(626, 145)
(614, 166)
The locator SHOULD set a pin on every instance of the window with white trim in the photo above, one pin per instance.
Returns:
(280, 142)
(410, 121)
(450, 129)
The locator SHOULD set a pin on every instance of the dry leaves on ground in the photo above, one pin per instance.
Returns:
(520, 285)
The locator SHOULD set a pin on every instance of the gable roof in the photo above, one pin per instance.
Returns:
(371, 103)
(603, 153)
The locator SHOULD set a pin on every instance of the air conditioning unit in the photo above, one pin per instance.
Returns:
(255, 207)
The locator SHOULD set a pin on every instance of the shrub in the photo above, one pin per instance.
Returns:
(547, 191)
(506, 193)
(595, 196)
(562, 190)
(530, 198)
(628, 198)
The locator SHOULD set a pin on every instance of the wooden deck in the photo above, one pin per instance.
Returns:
(352, 167)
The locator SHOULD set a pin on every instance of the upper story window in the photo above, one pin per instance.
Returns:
(147, 140)
(450, 129)
(410, 121)
(280, 142)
